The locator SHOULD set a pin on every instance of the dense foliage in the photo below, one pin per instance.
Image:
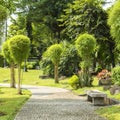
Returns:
(54, 53)
(3, 13)
(74, 81)
(88, 16)
(7, 55)
(48, 22)
(19, 46)
(116, 75)
(86, 45)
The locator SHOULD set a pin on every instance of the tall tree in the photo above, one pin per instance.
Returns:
(113, 21)
(86, 45)
(3, 16)
(88, 16)
(44, 11)
(54, 53)
(19, 48)
(8, 56)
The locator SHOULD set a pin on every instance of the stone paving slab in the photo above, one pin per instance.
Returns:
(49, 103)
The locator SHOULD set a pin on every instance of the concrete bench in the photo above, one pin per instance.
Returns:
(96, 97)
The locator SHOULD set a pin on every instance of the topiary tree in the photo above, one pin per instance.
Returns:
(86, 45)
(54, 53)
(19, 48)
(8, 56)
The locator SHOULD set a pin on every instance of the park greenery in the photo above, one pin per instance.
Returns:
(64, 38)
(8, 56)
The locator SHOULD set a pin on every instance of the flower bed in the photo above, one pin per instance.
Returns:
(104, 77)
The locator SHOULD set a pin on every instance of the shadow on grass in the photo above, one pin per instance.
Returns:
(2, 114)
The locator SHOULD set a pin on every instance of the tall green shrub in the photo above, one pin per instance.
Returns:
(54, 53)
(86, 45)
(19, 48)
(8, 56)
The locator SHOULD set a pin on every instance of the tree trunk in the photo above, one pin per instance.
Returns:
(25, 66)
(12, 72)
(56, 73)
(19, 80)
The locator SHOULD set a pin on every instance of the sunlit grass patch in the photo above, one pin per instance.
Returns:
(11, 102)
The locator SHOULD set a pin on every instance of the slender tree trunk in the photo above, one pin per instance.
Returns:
(25, 66)
(56, 73)
(12, 71)
(19, 80)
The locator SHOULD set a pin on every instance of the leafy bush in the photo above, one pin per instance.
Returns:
(85, 79)
(116, 75)
(47, 66)
(30, 65)
(69, 62)
(74, 81)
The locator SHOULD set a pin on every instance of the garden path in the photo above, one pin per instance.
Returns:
(49, 103)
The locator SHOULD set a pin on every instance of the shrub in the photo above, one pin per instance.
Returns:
(116, 75)
(85, 79)
(30, 65)
(69, 62)
(74, 81)
(86, 46)
(47, 66)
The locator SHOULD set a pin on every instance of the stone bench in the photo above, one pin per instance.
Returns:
(96, 97)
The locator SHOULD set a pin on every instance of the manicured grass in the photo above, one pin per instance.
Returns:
(11, 102)
(32, 78)
(111, 113)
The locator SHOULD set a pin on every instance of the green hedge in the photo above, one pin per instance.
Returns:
(116, 75)
(30, 65)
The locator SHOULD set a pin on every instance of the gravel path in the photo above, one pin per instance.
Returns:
(48, 103)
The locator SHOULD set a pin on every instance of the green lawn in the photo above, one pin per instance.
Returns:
(31, 78)
(11, 102)
(111, 113)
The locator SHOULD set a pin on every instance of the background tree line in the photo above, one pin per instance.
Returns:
(48, 22)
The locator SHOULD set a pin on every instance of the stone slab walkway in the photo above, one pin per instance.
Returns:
(48, 103)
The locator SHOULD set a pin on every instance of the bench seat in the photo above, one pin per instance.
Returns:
(96, 97)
